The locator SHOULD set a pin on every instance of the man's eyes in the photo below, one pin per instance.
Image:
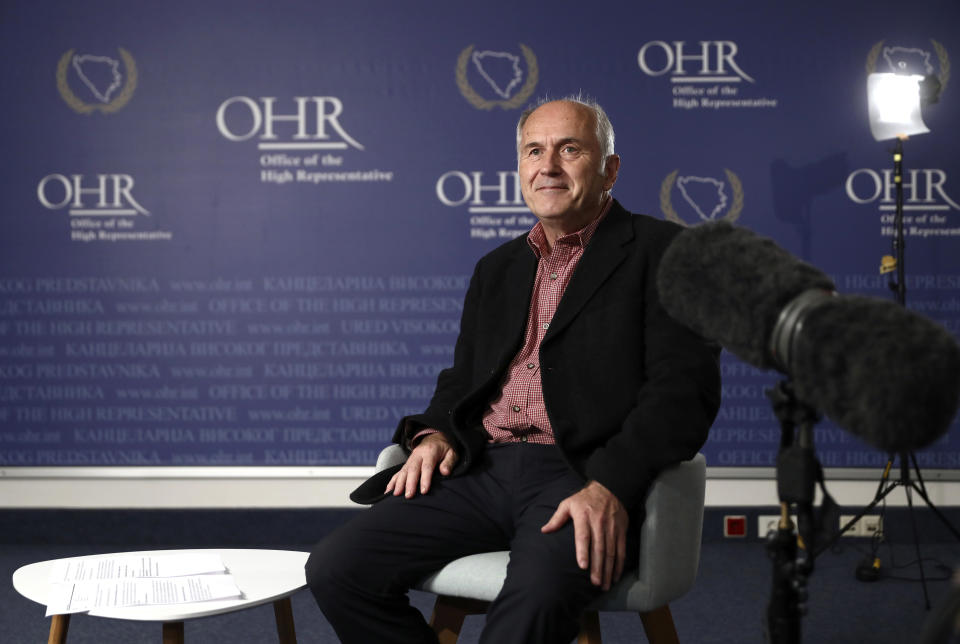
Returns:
(567, 150)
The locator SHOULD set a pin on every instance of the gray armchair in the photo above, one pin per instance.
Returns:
(669, 556)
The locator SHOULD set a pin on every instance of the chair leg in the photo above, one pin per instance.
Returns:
(283, 611)
(448, 615)
(58, 629)
(589, 628)
(659, 627)
(173, 633)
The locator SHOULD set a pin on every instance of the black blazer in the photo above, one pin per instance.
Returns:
(629, 391)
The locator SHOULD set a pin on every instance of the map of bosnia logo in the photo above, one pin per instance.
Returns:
(91, 82)
(910, 60)
(504, 79)
(702, 198)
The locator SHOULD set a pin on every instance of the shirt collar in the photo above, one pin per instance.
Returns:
(538, 239)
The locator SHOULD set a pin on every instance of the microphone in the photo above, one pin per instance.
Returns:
(884, 373)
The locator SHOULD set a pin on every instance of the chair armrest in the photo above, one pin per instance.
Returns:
(671, 532)
(390, 456)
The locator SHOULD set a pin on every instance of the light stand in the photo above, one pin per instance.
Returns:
(884, 126)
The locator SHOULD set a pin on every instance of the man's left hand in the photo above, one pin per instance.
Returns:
(600, 531)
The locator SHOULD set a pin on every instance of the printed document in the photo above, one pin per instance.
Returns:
(86, 583)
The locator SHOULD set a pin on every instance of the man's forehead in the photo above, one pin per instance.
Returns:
(560, 120)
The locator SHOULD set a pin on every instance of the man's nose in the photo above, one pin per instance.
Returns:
(550, 163)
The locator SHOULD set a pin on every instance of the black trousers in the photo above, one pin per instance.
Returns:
(361, 573)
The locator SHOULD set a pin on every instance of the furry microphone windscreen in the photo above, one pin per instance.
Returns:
(880, 371)
(886, 374)
(729, 284)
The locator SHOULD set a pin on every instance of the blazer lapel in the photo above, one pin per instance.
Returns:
(602, 256)
(509, 308)
(516, 291)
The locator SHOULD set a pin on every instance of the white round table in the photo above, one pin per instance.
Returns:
(262, 575)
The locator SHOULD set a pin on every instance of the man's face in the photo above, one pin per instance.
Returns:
(562, 175)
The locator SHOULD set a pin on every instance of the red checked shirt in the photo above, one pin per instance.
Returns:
(519, 413)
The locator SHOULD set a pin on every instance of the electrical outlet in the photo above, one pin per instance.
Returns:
(770, 522)
(766, 523)
(867, 526)
(871, 525)
(734, 525)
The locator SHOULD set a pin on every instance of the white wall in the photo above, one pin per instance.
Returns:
(298, 487)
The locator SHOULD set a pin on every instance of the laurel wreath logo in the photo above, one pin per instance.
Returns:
(82, 107)
(665, 204)
(733, 212)
(942, 57)
(872, 57)
(944, 60)
(516, 101)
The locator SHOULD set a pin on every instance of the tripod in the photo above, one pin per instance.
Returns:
(789, 547)
(909, 485)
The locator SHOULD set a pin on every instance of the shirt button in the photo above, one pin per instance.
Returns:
(553, 276)
(523, 439)
(546, 325)
(516, 408)
(530, 365)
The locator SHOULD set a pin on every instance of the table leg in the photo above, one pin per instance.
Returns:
(283, 610)
(173, 633)
(58, 629)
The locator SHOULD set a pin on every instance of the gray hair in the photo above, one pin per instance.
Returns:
(605, 134)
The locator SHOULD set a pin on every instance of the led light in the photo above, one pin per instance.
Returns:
(894, 105)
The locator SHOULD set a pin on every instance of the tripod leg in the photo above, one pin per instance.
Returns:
(939, 514)
(880, 496)
(916, 543)
(922, 491)
(884, 477)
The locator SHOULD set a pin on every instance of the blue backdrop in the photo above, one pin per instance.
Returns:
(238, 233)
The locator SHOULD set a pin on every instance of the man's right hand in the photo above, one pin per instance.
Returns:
(432, 453)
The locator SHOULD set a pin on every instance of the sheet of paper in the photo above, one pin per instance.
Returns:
(83, 596)
(141, 566)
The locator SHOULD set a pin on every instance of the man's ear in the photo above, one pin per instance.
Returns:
(610, 169)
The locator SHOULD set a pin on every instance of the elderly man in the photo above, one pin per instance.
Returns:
(571, 388)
